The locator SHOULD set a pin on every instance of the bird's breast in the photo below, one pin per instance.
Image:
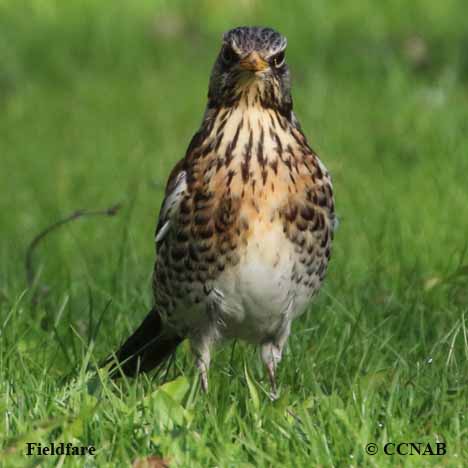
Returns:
(252, 231)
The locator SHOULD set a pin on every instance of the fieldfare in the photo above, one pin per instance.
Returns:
(246, 226)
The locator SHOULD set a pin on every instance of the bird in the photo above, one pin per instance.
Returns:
(246, 226)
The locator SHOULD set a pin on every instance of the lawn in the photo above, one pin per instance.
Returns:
(98, 100)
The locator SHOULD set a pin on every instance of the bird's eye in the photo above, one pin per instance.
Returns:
(228, 55)
(278, 60)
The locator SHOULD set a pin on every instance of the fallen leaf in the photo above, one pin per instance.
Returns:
(150, 462)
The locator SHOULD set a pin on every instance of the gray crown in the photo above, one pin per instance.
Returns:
(264, 40)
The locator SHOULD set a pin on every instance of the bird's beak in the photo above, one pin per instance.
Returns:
(253, 62)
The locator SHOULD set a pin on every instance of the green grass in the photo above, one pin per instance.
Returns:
(98, 100)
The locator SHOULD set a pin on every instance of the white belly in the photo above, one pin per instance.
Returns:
(258, 296)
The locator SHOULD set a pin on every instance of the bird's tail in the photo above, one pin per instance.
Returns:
(148, 347)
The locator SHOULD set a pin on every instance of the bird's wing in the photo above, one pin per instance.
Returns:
(175, 190)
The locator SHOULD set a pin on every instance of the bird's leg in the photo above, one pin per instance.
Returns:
(271, 356)
(271, 367)
(203, 370)
(201, 346)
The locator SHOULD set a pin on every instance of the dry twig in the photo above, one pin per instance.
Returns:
(29, 264)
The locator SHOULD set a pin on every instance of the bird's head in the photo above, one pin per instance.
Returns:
(251, 64)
